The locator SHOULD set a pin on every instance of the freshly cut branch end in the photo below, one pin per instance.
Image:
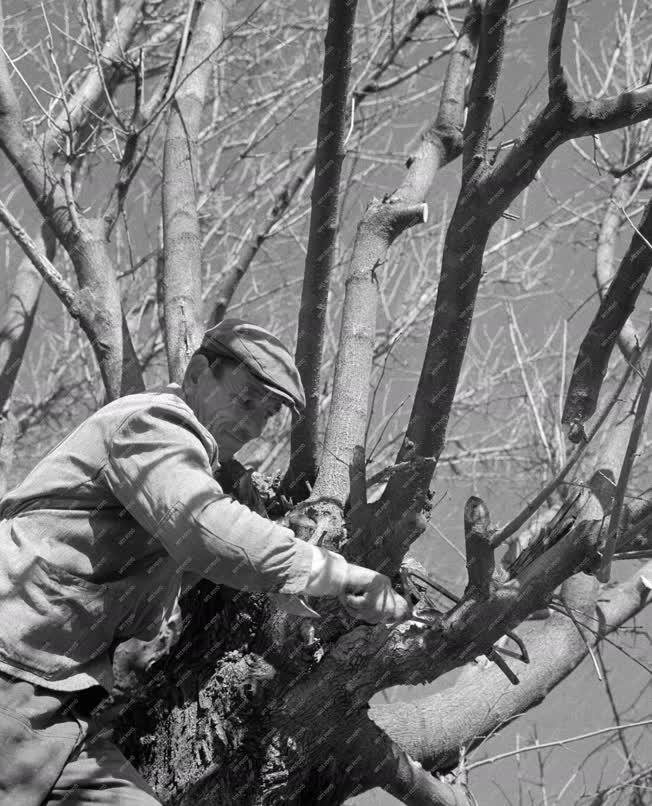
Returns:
(645, 583)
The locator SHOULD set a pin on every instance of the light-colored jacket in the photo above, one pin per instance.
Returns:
(94, 541)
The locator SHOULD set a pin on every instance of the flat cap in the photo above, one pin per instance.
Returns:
(262, 353)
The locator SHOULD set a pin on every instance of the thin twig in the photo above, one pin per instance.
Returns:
(529, 509)
(584, 639)
(557, 743)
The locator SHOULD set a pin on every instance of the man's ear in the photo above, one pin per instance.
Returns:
(197, 364)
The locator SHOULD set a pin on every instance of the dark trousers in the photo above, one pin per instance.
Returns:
(52, 751)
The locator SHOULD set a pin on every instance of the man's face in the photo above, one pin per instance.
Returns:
(234, 406)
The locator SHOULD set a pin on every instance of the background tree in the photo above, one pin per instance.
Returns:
(165, 152)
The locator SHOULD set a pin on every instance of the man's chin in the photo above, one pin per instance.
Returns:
(228, 445)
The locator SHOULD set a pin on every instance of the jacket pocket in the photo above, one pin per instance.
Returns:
(52, 620)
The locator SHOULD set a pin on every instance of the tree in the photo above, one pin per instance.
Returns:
(211, 104)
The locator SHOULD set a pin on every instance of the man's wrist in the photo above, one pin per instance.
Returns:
(328, 574)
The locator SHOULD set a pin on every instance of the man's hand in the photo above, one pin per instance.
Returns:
(369, 596)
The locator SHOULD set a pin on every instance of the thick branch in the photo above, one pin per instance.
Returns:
(379, 761)
(557, 89)
(383, 221)
(468, 231)
(604, 255)
(368, 659)
(182, 273)
(460, 275)
(381, 224)
(484, 84)
(617, 305)
(554, 125)
(482, 701)
(8, 433)
(373, 658)
(321, 251)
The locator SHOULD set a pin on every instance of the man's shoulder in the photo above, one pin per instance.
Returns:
(160, 397)
(155, 407)
(154, 402)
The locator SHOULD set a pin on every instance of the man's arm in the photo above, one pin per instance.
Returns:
(158, 468)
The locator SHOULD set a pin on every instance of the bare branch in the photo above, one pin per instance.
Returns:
(482, 701)
(322, 240)
(604, 257)
(94, 88)
(82, 238)
(182, 273)
(557, 86)
(484, 84)
(540, 498)
(379, 761)
(382, 222)
(54, 279)
(617, 305)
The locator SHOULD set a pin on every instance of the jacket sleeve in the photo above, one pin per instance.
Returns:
(158, 468)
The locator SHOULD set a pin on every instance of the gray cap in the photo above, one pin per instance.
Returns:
(262, 353)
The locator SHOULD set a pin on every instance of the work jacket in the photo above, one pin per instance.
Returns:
(94, 541)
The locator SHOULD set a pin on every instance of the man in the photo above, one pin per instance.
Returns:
(94, 541)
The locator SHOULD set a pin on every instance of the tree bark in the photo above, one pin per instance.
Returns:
(182, 272)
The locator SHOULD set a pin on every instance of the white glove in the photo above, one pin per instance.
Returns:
(369, 596)
(366, 594)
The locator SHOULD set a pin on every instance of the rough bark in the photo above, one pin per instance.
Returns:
(182, 272)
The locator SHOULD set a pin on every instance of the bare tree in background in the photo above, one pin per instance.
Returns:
(169, 150)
